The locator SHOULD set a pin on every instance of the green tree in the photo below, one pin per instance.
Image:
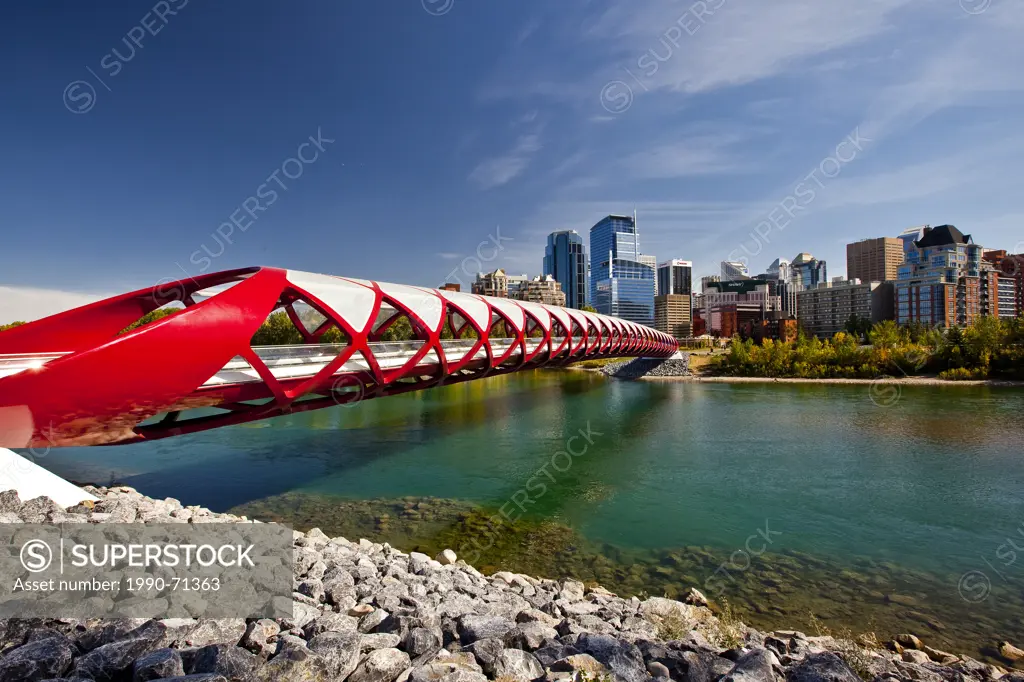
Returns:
(588, 308)
(12, 325)
(277, 330)
(151, 316)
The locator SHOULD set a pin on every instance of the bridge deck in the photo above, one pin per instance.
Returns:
(296, 362)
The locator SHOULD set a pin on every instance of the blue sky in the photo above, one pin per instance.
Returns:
(455, 123)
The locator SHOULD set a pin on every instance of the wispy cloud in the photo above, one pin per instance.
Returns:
(503, 169)
(26, 304)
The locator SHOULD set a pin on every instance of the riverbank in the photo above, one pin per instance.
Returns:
(903, 381)
(368, 612)
(683, 372)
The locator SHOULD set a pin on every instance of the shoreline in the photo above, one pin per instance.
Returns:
(369, 612)
(903, 381)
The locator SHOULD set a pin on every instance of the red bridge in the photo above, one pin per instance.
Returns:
(77, 378)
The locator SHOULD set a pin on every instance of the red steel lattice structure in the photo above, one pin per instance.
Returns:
(76, 379)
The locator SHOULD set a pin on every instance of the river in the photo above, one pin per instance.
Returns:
(809, 506)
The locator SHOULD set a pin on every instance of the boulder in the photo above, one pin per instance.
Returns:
(111, 661)
(515, 664)
(824, 667)
(757, 665)
(156, 665)
(339, 651)
(295, 664)
(45, 658)
(233, 662)
(1010, 652)
(472, 627)
(382, 665)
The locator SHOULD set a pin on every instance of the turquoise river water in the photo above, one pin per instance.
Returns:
(802, 505)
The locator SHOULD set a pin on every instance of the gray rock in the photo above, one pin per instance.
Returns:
(49, 657)
(111, 661)
(445, 672)
(622, 658)
(446, 557)
(383, 665)
(530, 636)
(10, 501)
(201, 677)
(339, 651)
(472, 627)
(518, 665)
(233, 662)
(158, 664)
(370, 621)
(379, 640)
(756, 666)
(256, 635)
(220, 631)
(295, 664)
(330, 622)
(825, 667)
(419, 641)
(39, 510)
(286, 641)
(486, 652)
(582, 663)
(312, 588)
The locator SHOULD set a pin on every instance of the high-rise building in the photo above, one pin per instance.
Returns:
(652, 263)
(779, 275)
(565, 259)
(675, 277)
(673, 315)
(874, 260)
(620, 285)
(939, 282)
(825, 309)
(542, 289)
(1010, 269)
(734, 271)
(807, 272)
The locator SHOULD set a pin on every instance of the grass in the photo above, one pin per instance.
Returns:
(856, 651)
(728, 631)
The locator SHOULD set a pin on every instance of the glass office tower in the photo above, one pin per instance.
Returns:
(620, 284)
(565, 259)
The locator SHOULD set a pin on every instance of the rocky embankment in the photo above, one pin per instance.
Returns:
(649, 367)
(367, 612)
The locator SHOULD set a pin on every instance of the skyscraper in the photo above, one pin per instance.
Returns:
(619, 284)
(807, 272)
(652, 263)
(734, 271)
(565, 260)
(874, 260)
(675, 277)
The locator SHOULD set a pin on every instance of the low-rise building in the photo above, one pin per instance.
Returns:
(722, 298)
(826, 309)
(673, 315)
(541, 289)
(491, 284)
